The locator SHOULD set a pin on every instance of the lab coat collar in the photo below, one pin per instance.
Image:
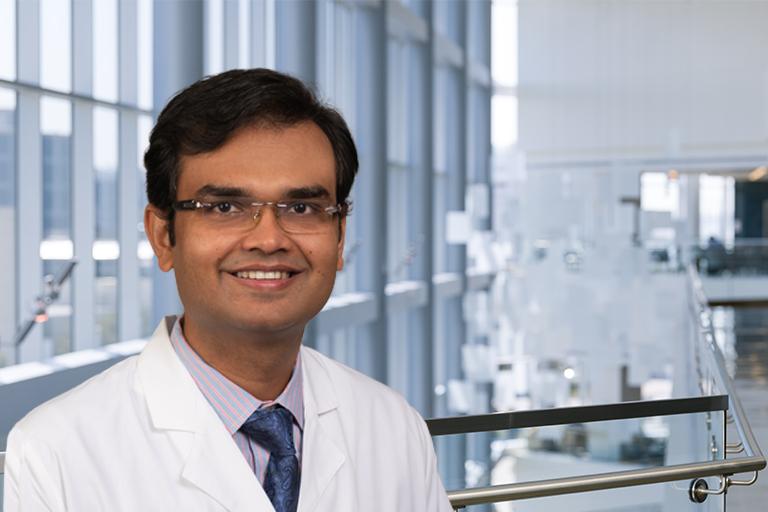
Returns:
(172, 396)
(211, 460)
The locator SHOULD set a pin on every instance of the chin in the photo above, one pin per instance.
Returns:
(262, 325)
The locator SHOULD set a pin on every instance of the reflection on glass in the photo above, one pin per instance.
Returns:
(105, 50)
(7, 219)
(8, 39)
(56, 45)
(56, 247)
(106, 249)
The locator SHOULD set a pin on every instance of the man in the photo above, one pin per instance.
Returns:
(247, 179)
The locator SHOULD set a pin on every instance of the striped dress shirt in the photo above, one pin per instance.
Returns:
(234, 405)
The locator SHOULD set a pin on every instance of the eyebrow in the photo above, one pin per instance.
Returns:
(309, 192)
(312, 192)
(219, 191)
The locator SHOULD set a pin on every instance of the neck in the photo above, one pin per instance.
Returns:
(260, 363)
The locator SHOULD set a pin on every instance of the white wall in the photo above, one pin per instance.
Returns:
(642, 79)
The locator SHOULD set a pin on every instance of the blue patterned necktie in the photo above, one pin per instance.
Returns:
(272, 428)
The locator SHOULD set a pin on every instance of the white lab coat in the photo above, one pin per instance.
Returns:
(141, 437)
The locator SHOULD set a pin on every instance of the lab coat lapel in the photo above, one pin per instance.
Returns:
(322, 452)
(209, 459)
(218, 468)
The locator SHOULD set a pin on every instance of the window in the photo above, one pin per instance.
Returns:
(106, 248)
(7, 221)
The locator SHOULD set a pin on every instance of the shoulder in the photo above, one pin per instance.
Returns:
(347, 380)
(86, 404)
(363, 398)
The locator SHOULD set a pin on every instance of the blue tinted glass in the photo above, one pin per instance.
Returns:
(7, 219)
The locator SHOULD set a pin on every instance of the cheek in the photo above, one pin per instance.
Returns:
(324, 259)
(198, 261)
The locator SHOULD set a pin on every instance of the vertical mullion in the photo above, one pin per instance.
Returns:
(231, 34)
(296, 39)
(371, 187)
(325, 51)
(178, 61)
(29, 184)
(83, 188)
(128, 215)
(262, 33)
(426, 190)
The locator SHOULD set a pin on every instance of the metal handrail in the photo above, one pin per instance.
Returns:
(754, 460)
(601, 481)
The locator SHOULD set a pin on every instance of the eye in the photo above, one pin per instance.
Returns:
(225, 207)
(302, 208)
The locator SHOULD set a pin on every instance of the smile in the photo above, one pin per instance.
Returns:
(260, 275)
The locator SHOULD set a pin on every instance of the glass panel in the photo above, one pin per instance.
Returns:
(449, 18)
(7, 221)
(56, 249)
(397, 115)
(504, 121)
(56, 128)
(145, 42)
(243, 33)
(504, 66)
(419, 7)
(56, 45)
(659, 192)
(146, 256)
(8, 39)
(543, 453)
(105, 49)
(398, 251)
(106, 249)
(716, 203)
(214, 36)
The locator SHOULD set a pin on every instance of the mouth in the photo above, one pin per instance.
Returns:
(265, 278)
(264, 275)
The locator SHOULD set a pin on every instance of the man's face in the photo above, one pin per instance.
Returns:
(215, 268)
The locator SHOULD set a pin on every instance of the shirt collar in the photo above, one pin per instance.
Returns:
(232, 403)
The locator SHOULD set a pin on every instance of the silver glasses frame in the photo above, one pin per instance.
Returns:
(279, 207)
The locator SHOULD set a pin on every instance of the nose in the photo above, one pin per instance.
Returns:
(266, 235)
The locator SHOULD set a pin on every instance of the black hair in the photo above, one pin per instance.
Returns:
(205, 115)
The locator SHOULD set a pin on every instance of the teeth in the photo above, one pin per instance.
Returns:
(261, 275)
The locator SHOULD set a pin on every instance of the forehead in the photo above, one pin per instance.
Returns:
(265, 162)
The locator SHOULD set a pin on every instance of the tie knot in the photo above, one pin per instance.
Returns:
(272, 428)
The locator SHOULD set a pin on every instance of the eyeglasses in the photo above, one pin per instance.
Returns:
(297, 217)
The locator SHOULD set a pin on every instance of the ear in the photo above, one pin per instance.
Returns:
(340, 248)
(156, 228)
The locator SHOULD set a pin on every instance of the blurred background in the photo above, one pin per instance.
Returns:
(536, 178)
